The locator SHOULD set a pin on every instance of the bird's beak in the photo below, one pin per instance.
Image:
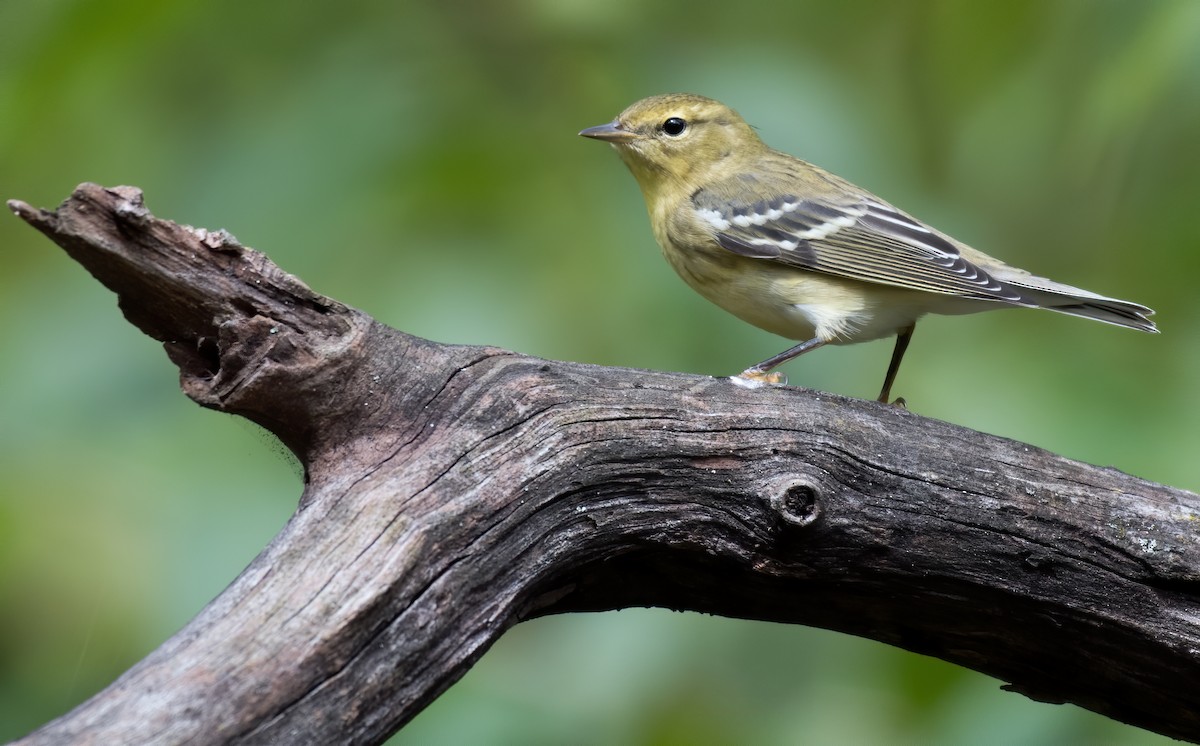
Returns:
(612, 132)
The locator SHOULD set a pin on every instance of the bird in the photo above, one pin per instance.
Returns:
(800, 252)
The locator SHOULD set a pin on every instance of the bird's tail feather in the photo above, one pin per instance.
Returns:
(1118, 312)
(1055, 296)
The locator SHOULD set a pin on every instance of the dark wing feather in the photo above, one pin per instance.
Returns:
(862, 240)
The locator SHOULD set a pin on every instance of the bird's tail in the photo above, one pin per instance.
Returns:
(1054, 296)
(1118, 312)
(1040, 292)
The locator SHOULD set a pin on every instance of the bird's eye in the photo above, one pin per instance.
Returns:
(674, 126)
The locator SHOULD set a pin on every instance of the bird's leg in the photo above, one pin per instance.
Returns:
(902, 339)
(761, 373)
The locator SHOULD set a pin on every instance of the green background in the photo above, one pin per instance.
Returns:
(419, 161)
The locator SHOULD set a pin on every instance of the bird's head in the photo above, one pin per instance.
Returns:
(677, 138)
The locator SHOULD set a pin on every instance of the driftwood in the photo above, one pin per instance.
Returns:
(451, 492)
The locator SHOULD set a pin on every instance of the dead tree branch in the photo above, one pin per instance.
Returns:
(452, 492)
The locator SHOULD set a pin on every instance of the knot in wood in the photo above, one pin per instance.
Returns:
(796, 499)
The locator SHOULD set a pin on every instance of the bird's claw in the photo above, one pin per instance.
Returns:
(753, 379)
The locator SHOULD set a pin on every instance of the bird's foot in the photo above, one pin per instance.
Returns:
(752, 378)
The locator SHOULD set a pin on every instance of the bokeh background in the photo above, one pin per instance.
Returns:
(418, 160)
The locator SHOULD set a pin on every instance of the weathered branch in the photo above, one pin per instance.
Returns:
(452, 492)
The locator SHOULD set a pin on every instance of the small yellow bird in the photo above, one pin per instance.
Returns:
(801, 253)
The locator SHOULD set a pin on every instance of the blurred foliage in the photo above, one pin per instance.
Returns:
(419, 160)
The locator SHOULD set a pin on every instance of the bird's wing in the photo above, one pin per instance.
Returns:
(860, 239)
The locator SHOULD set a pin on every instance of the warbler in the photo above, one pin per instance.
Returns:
(802, 253)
